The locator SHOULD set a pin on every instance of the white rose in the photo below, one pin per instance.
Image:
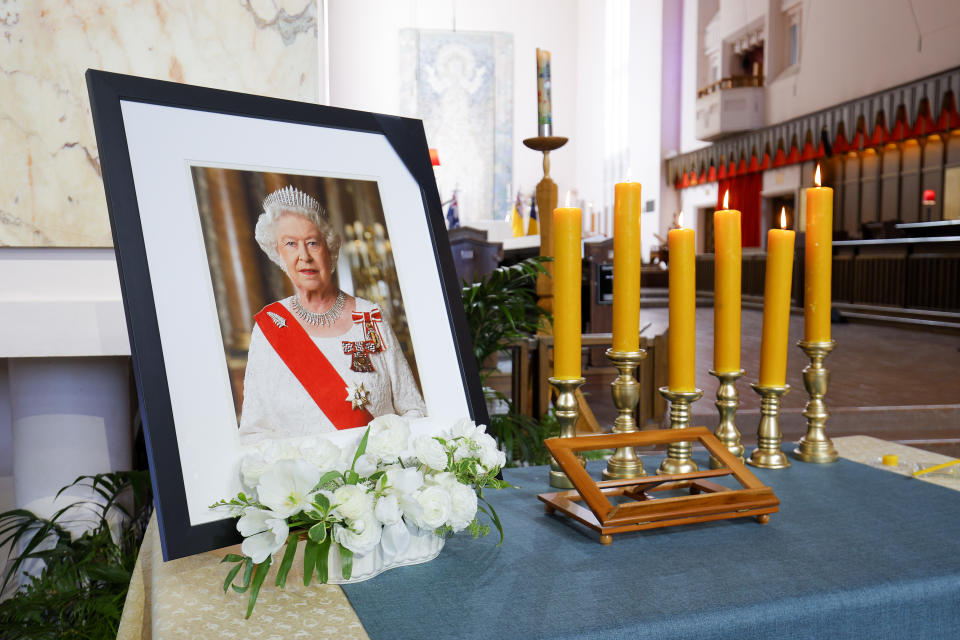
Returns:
(444, 479)
(464, 428)
(434, 507)
(353, 502)
(430, 453)
(404, 481)
(365, 465)
(484, 440)
(492, 457)
(361, 537)
(253, 466)
(322, 453)
(466, 449)
(463, 506)
(388, 510)
(388, 437)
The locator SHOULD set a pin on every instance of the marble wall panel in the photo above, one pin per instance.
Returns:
(51, 192)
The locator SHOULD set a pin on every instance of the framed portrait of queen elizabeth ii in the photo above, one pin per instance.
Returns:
(285, 273)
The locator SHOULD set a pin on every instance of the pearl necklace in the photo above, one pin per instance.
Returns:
(325, 319)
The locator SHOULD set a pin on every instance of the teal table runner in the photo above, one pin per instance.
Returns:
(854, 552)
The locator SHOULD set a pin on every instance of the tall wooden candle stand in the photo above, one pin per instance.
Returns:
(546, 203)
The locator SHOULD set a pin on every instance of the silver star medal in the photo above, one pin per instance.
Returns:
(357, 395)
(277, 319)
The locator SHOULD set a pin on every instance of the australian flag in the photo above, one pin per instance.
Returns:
(453, 215)
(533, 226)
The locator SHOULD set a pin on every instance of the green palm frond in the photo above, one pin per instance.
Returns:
(81, 590)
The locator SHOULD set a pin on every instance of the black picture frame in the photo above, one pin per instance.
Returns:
(108, 93)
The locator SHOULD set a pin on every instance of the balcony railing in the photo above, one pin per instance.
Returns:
(733, 82)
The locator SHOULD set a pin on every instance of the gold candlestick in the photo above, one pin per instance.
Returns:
(815, 446)
(625, 463)
(727, 402)
(768, 455)
(679, 454)
(567, 413)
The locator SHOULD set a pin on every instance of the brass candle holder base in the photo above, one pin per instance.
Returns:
(768, 455)
(727, 402)
(567, 413)
(679, 454)
(815, 446)
(625, 463)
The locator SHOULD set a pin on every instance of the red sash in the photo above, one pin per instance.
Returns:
(308, 365)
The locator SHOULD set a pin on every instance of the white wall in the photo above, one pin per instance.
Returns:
(646, 63)
(689, 77)
(364, 73)
(848, 49)
(856, 47)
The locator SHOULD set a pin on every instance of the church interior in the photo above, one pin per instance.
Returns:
(780, 180)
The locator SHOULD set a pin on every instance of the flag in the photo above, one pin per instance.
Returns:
(453, 215)
(533, 227)
(516, 220)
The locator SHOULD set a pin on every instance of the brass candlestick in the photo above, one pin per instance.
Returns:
(567, 413)
(815, 446)
(727, 402)
(768, 455)
(679, 454)
(625, 463)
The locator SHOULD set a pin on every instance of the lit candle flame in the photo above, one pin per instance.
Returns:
(568, 201)
(726, 199)
(783, 217)
(816, 176)
(680, 220)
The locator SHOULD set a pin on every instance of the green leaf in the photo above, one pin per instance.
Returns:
(346, 562)
(232, 557)
(318, 532)
(309, 560)
(496, 520)
(262, 570)
(322, 503)
(351, 477)
(361, 448)
(287, 561)
(231, 575)
(247, 575)
(323, 560)
(327, 478)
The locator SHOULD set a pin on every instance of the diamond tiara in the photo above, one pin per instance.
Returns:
(291, 197)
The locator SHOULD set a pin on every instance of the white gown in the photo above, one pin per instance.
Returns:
(276, 405)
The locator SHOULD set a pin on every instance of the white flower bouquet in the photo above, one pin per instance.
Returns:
(389, 503)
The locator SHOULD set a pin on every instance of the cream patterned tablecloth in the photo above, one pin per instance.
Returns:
(183, 598)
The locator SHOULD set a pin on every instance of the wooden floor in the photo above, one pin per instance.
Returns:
(891, 383)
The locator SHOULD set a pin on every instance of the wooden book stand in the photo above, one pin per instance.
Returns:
(707, 500)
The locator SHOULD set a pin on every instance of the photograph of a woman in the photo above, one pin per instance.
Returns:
(321, 359)
(311, 313)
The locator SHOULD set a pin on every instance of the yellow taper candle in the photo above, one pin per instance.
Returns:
(566, 293)
(818, 262)
(726, 289)
(776, 305)
(683, 309)
(626, 266)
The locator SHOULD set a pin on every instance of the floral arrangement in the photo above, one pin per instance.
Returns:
(393, 489)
